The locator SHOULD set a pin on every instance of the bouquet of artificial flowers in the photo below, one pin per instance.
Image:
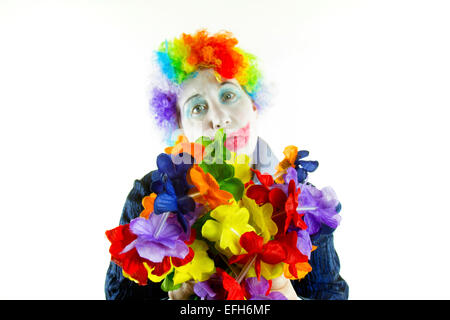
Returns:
(206, 221)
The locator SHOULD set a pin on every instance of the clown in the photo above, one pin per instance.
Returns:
(206, 83)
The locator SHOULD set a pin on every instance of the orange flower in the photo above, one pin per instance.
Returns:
(290, 155)
(183, 145)
(303, 268)
(147, 203)
(208, 187)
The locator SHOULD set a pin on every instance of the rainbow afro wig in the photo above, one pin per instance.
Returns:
(179, 60)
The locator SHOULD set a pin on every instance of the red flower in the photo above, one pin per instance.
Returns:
(160, 268)
(132, 263)
(250, 183)
(284, 207)
(263, 194)
(293, 255)
(232, 288)
(129, 261)
(291, 208)
(272, 252)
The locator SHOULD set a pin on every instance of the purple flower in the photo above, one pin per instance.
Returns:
(154, 248)
(204, 290)
(211, 289)
(258, 290)
(304, 244)
(191, 218)
(320, 206)
(325, 202)
(291, 174)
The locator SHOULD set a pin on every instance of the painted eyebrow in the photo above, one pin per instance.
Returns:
(190, 98)
(228, 82)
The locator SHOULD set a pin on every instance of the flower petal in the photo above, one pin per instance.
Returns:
(309, 166)
(277, 198)
(204, 290)
(212, 230)
(258, 193)
(256, 287)
(233, 186)
(273, 252)
(165, 164)
(251, 242)
(265, 179)
(301, 174)
(165, 203)
(302, 154)
(199, 269)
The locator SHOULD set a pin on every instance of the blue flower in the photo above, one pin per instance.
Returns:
(168, 201)
(304, 166)
(175, 171)
(170, 184)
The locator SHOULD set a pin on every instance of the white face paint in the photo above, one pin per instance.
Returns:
(207, 104)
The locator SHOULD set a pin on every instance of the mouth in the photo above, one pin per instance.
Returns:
(238, 139)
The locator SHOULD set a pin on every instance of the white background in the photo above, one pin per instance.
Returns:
(363, 85)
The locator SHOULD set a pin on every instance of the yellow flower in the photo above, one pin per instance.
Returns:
(199, 269)
(261, 218)
(268, 271)
(155, 278)
(230, 223)
(241, 166)
(151, 276)
(290, 155)
(126, 275)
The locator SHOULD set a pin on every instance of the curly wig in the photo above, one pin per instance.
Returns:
(179, 60)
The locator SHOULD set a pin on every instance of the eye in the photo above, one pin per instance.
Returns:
(199, 110)
(196, 107)
(227, 96)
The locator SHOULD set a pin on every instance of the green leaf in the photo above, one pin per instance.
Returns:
(167, 284)
(220, 172)
(233, 186)
(215, 151)
(205, 141)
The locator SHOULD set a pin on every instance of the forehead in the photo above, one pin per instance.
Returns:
(204, 81)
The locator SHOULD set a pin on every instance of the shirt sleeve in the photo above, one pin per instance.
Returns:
(117, 287)
(324, 281)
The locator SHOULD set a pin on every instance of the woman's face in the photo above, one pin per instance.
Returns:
(207, 104)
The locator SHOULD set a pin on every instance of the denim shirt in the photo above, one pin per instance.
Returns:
(323, 282)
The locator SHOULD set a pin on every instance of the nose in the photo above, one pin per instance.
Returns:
(217, 124)
(219, 118)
